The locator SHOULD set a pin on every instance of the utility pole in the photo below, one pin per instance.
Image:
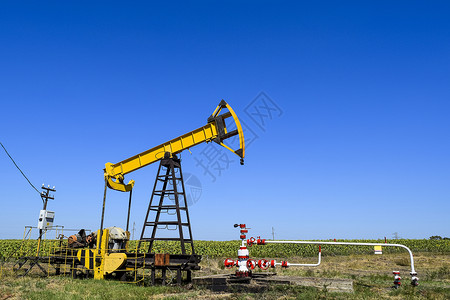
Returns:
(45, 196)
(134, 228)
(273, 233)
(45, 220)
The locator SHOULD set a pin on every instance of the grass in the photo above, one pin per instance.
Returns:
(66, 288)
(372, 277)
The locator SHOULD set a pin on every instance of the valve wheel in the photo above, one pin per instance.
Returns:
(229, 263)
(263, 264)
(251, 264)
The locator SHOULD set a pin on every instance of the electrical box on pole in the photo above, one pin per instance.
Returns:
(46, 218)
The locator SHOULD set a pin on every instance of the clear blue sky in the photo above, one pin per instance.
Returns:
(358, 148)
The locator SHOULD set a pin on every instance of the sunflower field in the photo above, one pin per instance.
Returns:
(18, 248)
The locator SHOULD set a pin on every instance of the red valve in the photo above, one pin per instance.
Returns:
(250, 241)
(260, 241)
(284, 264)
(242, 225)
(242, 236)
(229, 263)
(251, 264)
(263, 264)
(244, 231)
(397, 279)
(272, 263)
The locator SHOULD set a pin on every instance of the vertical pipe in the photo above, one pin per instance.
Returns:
(129, 207)
(99, 238)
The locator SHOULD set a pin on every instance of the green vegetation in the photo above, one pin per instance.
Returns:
(15, 248)
(370, 273)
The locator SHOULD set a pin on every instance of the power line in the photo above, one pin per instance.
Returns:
(19, 169)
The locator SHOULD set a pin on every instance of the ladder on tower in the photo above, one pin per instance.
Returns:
(168, 199)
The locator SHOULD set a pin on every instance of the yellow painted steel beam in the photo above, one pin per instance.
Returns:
(102, 246)
(216, 130)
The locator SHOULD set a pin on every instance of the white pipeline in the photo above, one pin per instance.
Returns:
(413, 271)
(304, 265)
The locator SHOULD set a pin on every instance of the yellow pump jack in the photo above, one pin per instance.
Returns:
(104, 261)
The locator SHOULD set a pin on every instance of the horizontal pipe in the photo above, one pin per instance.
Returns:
(305, 265)
(413, 271)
